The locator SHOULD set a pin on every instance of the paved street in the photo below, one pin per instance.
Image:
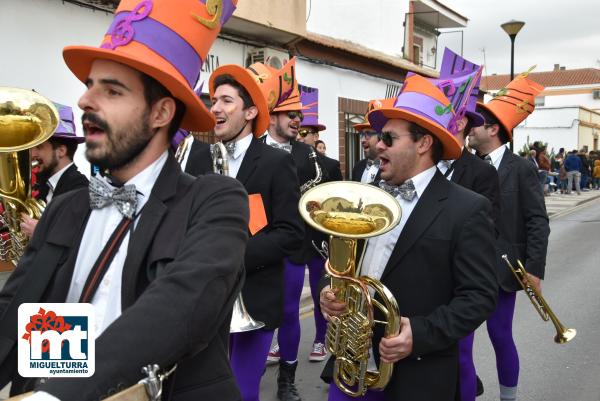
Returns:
(549, 372)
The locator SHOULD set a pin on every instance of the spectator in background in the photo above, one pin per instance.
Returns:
(596, 174)
(585, 169)
(320, 147)
(533, 158)
(573, 167)
(543, 163)
(562, 175)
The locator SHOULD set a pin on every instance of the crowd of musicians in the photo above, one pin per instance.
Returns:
(172, 230)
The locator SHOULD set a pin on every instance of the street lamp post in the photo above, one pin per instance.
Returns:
(512, 28)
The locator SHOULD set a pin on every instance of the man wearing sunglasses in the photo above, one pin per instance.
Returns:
(367, 169)
(523, 224)
(475, 174)
(437, 262)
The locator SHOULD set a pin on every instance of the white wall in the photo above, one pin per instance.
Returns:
(334, 83)
(583, 99)
(375, 24)
(35, 33)
(558, 127)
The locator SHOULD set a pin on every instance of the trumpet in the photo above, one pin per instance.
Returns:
(563, 334)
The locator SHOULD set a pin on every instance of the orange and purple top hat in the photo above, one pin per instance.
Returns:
(286, 87)
(424, 104)
(261, 83)
(165, 39)
(66, 126)
(373, 104)
(515, 102)
(309, 97)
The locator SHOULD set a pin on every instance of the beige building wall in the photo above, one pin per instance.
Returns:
(589, 128)
(285, 15)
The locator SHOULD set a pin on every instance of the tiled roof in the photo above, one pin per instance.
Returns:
(355, 48)
(581, 76)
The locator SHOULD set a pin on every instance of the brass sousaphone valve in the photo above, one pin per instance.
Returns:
(349, 211)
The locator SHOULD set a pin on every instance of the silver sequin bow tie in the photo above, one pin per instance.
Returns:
(371, 163)
(283, 146)
(407, 190)
(102, 194)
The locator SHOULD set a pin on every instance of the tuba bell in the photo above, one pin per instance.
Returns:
(241, 321)
(349, 211)
(26, 120)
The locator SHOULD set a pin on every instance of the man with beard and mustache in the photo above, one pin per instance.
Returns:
(367, 169)
(157, 253)
(523, 223)
(285, 120)
(470, 172)
(240, 107)
(57, 173)
(437, 262)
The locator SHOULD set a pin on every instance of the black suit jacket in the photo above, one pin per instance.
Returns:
(305, 170)
(199, 160)
(359, 169)
(479, 176)
(331, 168)
(524, 227)
(270, 173)
(71, 179)
(180, 278)
(441, 273)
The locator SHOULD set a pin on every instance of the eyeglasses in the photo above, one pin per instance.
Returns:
(368, 134)
(295, 114)
(388, 139)
(303, 132)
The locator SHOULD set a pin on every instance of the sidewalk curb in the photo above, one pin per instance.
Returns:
(578, 205)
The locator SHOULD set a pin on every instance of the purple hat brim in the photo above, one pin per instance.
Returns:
(78, 139)
(475, 119)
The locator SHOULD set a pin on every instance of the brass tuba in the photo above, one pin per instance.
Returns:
(563, 334)
(349, 211)
(26, 120)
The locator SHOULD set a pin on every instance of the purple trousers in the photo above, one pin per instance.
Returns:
(499, 327)
(248, 355)
(288, 336)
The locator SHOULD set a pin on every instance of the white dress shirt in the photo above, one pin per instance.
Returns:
(235, 160)
(380, 248)
(186, 156)
(369, 174)
(497, 154)
(53, 182)
(100, 226)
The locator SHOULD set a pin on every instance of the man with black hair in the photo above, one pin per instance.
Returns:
(275, 230)
(158, 254)
(437, 262)
(57, 173)
(523, 224)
